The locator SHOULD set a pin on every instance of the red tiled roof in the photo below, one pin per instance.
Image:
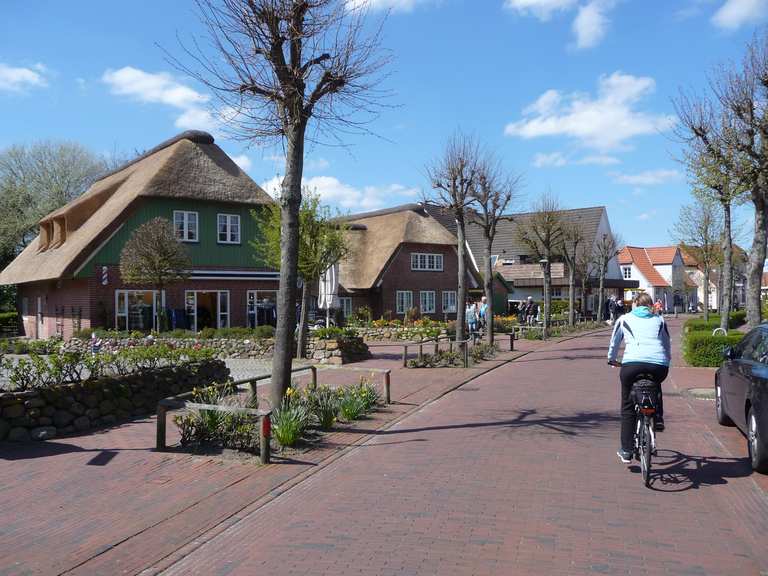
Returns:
(640, 258)
(661, 254)
(688, 258)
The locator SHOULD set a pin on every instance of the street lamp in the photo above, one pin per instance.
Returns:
(544, 262)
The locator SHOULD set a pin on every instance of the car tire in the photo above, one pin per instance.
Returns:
(758, 448)
(722, 417)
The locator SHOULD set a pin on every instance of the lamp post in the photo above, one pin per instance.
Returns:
(544, 262)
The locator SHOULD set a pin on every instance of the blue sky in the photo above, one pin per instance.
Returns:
(573, 94)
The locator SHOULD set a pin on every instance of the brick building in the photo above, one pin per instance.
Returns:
(68, 277)
(401, 258)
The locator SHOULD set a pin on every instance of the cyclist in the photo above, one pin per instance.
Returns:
(646, 351)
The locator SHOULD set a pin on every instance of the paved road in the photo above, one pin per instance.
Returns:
(514, 473)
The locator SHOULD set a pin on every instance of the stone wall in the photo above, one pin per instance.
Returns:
(223, 347)
(341, 351)
(76, 408)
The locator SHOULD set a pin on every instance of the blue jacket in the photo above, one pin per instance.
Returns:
(645, 335)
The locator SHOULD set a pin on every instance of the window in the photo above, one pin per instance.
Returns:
(262, 308)
(136, 310)
(427, 301)
(185, 224)
(345, 303)
(627, 272)
(494, 259)
(25, 306)
(207, 309)
(224, 309)
(229, 228)
(403, 300)
(557, 292)
(449, 301)
(420, 261)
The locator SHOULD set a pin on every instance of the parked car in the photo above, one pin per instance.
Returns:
(741, 393)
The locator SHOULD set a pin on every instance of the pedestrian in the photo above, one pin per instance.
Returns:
(531, 312)
(658, 307)
(483, 313)
(619, 308)
(471, 314)
(611, 309)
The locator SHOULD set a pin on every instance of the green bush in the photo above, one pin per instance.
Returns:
(559, 307)
(736, 319)
(290, 419)
(323, 403)
(703, 349)
(368, 394)
(351, 404)
(334, 333)
(483, 351)
(443, 359)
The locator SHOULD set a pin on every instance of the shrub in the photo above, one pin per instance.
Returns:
(351, 405)
(442, 359)
(703, 349)
(559, 307)
(334, 333)
(483, 351)
(290, 419)
(323, 403)
(505, 323)
(735, 320)
(368, 394)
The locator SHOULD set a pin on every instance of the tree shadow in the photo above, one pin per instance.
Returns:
(559, 358)
(673, 471)
(567, 425)
(33, 450)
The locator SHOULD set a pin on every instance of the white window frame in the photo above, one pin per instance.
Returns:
(407, 296)
(222, 318)
(557, 292)
(229, 220)
(427, 307)
(626, 272)
(188, 234)
(122, 295)
(345, 304)
(447, 307)
(426, 262)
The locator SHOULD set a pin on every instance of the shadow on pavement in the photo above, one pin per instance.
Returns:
(673, 471)
(29, 450)
(568, 425)
(558, 358)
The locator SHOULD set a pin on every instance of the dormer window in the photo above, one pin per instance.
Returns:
(46, 235)
(626, 272)
(59, 232)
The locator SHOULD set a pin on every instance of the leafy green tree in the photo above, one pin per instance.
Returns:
(322, 243)
(153, 256)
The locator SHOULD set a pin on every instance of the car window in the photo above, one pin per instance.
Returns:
(750, 344)
(760, 350)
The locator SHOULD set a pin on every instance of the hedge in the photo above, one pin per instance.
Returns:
(736, 319)
(9, 322)
(703, 349)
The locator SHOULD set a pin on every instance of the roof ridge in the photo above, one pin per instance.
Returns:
(196, 136)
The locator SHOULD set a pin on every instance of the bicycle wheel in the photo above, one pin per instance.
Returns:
(645, 450)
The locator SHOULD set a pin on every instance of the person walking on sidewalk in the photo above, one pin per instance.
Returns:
(646, 351)
(483, 313)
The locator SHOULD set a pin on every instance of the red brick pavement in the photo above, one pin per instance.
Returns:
(106, 503)
(514, 473)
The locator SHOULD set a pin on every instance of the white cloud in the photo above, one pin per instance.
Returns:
(591, 23)
(600, 160)
(646, 215)
(606, 122)
(162, 88)
(18, 79)
(394, 5)
(555, 159)
(317, 164)
(735, 13)
(646, 178)
(541, 9)
(347, 197)
(243, 161)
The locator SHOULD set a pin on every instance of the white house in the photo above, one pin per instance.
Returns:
(661, 272)
(696, 274)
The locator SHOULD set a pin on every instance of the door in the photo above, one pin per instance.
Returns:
(262, 308)
(40, 319)
(741, 375)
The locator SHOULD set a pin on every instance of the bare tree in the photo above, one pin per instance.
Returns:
(278, 66)
(542, 233)
(492, 194)
(583, 265)
(572, 248)
(605, 250)
(153, 256)
(699, 228)
(453, 178)
(735, 121)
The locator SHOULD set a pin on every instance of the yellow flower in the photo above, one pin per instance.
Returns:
(289, 392)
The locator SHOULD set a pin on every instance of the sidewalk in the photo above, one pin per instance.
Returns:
(107, 501)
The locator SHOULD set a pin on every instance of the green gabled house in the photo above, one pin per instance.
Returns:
(68, 278)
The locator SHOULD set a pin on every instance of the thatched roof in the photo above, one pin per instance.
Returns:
(376, 236)
(189, 165)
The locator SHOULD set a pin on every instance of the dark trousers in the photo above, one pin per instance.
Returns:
(629, 374)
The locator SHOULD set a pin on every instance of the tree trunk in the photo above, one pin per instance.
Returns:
(488, 285)
(301, 339)
(583, 306)
(706, 292)
(290, 201)
(756, 259)
(571, 297)
(601, 293)
(727, 270)
(461, 291)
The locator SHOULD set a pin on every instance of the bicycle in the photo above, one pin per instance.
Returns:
(644, 394)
